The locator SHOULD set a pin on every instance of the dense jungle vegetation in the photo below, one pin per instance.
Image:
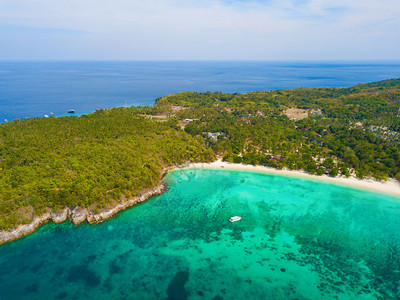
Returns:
(95, 160)
(344, 130)
(90, 161)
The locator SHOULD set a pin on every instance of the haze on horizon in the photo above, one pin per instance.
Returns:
(200, 30)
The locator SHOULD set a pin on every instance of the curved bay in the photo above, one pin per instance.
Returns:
(298, 239)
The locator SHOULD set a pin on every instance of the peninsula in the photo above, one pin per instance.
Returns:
(90, 167)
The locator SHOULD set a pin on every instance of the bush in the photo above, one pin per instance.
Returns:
(237, 159)
(333, 172)
(311, 167)
(360, 174)
(228, 158)
(397, 176)
(345, 172)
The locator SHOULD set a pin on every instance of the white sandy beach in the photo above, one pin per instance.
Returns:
(391, 186)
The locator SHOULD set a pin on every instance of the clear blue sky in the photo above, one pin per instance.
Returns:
(201, 29)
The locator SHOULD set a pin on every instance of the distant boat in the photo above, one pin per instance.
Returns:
(179, 181)
(71, 111)
(235, 219)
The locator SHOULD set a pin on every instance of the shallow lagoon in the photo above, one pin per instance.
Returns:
(298, 239)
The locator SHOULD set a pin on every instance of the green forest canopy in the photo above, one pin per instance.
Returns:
(90, 161)
(345, 129)
(96, 160)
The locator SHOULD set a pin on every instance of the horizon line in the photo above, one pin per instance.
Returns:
(205, 60)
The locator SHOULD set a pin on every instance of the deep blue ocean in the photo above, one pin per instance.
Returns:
(35, 89)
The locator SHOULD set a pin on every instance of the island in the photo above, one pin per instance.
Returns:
(88, 168)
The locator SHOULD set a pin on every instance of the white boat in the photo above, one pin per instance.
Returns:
(235, 218)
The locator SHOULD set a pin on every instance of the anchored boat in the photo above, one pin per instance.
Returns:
(235, 218)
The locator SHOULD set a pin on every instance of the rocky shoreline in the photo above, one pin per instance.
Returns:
(79, 215)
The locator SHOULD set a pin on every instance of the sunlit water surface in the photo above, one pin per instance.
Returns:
(38, 88)
(298, 239)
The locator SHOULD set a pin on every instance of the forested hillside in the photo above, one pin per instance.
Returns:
(90, 161)
(321, 130)
(99, 159)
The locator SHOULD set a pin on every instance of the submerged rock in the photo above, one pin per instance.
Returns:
(176, 288)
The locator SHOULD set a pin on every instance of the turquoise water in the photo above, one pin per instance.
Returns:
(298, 239)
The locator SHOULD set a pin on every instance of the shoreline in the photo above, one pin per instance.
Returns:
(391, 186)
(79, 215)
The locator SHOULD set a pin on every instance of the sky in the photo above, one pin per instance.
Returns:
(200, 30)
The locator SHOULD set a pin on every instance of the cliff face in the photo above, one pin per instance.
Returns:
(78, 215)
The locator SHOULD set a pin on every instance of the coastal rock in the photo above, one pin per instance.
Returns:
(61, 216)
(6, 236)
(25, 229)
(107, 214)
(79, 215)
(90, 218)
